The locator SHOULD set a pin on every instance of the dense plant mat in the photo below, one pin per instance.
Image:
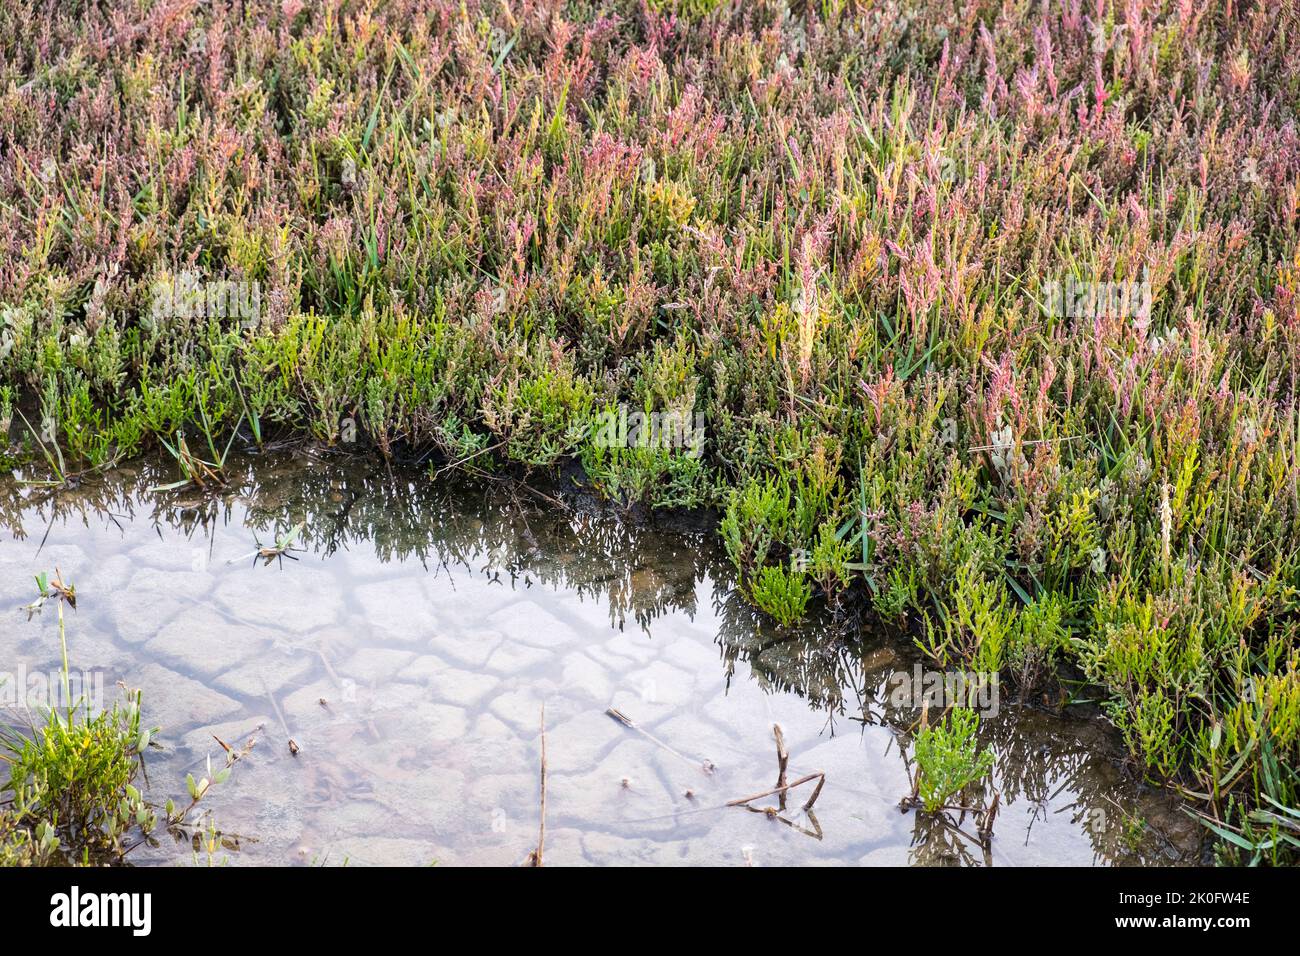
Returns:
(832, 233)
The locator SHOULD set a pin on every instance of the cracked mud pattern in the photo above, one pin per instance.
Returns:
(410, 644)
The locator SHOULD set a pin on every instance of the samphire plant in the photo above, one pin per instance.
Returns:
(72, 796)
(948, 759)
(841, 254)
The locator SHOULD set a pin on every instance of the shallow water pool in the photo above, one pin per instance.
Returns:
(408, 650)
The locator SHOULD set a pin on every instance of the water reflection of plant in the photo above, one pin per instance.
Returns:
(818, 662)
(346, 504)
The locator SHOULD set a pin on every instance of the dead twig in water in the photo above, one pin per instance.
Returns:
(342, 685)
(453, 465)
(818, 775)
(706, 765)
(986, 825)
(817, 792)
(782, 760)
(293, 744)
(772, 813)
(783, 787)
(535, 858)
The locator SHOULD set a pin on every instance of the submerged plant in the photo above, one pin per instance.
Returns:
(281, 549)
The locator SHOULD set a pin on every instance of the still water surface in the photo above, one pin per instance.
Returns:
(409, 647)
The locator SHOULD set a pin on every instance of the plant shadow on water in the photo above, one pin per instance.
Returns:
(409, 650)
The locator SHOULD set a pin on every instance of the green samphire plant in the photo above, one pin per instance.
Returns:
(72, 796)
(948, 759)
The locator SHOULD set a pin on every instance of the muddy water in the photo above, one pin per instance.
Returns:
(408, 650)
